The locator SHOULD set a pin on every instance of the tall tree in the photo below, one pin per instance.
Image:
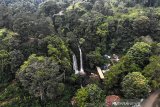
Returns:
(59, 51)
(5, 74)
(41, 77)
(135, 85)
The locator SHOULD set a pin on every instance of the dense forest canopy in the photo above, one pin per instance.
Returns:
(44, 42)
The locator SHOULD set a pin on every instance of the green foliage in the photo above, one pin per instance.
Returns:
(5, 74)
(102, 30)
(28, 25)
(59, 51)
(95, 58)
(64, 101)
(16, 60)
(156, 48)
(9, 92)
(49, 8)
(41, 77)
(135, 85)
(136, 59)
(99, 26)
(152, 72)
(140, 53)
(89, 95)
(117, 72)
(82, 97)
(141, 25)
(9, 40)
(5, 17)
(133, 13)
(81, 41)
(79, 7)
(13, 95)
(99, 6)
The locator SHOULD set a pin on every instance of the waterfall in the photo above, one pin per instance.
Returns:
(81, 62)
(75, 67)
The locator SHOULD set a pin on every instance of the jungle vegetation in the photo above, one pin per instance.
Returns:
(39, 37)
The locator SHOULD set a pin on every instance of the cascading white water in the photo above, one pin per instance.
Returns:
(75, 67)
(81, 62)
